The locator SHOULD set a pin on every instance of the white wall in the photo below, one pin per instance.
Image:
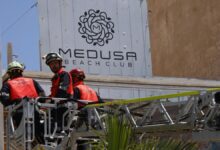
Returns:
(116, 35)
(114, 87)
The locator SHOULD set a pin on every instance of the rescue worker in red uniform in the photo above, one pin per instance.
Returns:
(61, 84)
(61, 81)
(82, 92)
(18, 87)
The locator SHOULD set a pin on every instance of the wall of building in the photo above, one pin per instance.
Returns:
(103, 37)
(114, 87)
(185, 38)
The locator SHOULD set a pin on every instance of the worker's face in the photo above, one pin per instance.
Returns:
(55, 66)
(74, 79)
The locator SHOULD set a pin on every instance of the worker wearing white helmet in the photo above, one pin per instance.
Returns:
(18, 87)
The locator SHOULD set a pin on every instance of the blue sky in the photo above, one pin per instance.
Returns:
(19, 25)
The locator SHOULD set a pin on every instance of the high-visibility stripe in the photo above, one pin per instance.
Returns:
(166, 96)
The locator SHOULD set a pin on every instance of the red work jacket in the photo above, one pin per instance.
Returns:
(22, 87)
(86, 93)
(56, 84)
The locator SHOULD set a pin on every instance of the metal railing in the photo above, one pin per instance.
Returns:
(187, 111)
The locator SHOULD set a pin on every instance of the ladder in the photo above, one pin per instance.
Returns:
(192, 111)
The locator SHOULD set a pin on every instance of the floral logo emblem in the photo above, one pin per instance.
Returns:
(96, 27)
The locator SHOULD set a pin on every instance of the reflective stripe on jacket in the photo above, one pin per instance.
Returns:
(22, 87)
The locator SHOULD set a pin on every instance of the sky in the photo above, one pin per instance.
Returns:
(19, 24)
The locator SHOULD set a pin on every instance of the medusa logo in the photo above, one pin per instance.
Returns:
(96, 28)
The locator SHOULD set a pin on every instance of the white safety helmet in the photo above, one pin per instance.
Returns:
(15, 66)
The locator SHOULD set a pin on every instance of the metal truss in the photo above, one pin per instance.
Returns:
(186, 112)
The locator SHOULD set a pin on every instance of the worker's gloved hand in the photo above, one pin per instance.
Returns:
(42, 100)
(44, 109)
(48, 101)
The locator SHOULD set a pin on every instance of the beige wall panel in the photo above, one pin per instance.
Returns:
(185, 38)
